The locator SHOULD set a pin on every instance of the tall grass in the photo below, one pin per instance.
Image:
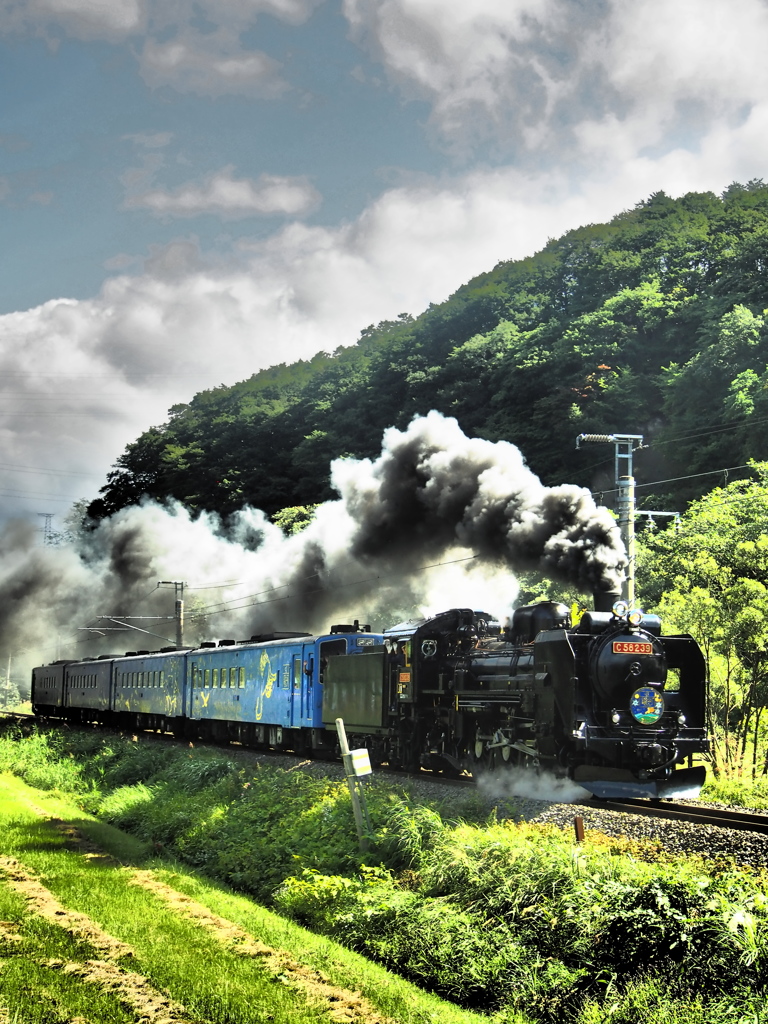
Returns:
(509, 919)
(739, 790)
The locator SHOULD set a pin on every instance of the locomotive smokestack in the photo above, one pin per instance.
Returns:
(605, 600)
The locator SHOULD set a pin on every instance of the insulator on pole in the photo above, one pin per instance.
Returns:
(596, 438)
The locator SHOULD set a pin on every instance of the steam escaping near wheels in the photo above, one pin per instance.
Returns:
(433, 495)
(504, 786)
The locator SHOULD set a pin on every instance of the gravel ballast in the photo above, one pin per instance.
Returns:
(679, 837)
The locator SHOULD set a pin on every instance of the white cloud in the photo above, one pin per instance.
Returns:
(82, 19)
(212, 64)
(174, 52)
(151, 140)
(244, 12)
(156, 338)
(482, 64)
(537, 74)
(231, 198)
(114, 20)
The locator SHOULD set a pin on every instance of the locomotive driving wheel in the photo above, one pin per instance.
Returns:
(486, 755)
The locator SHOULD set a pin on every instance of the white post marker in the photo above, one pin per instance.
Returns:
(356, 763)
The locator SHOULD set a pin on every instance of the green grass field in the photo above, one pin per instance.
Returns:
(95, 930)
(176, 859)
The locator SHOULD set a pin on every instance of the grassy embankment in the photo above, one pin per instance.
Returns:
(516, 922)
(95, 929)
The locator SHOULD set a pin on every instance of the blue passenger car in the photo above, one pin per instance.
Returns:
(48, 688)
(267, 691)
(88, 686)
(149, 690)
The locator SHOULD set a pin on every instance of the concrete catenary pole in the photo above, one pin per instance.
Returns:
(624, 446)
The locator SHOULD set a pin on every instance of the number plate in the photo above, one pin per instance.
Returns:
(632, 647)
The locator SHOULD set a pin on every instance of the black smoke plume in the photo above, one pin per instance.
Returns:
(432, 496)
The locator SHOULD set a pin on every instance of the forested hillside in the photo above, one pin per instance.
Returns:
(651, 324)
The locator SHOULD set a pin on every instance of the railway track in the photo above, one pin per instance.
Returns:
(737, 819)
(749, 821)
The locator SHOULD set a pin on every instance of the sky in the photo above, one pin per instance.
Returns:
(192, 190)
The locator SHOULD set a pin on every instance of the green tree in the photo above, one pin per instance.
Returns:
(295, 519)
(652, 323)
(709, 577)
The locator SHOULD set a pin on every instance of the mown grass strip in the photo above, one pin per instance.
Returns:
(33, 989)
(177, 954)
(344, 1004)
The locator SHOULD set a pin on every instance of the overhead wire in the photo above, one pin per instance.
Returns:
(235, 605)
(674, 479)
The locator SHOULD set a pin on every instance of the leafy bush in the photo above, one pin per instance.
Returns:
(736, 791)
(433, 942)
(514, 919)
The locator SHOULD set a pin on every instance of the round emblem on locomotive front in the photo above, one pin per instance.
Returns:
(646, 705)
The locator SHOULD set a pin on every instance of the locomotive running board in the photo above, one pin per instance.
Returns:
(615, 783)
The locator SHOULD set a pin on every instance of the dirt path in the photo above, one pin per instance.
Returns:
(343, 1006)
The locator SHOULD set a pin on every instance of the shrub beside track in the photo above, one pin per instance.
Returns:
(516, 920)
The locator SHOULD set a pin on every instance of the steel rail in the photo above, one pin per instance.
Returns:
(743, 820)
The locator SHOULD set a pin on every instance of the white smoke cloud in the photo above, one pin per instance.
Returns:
(504, 786)
(375, 554)
(534, 75)
(231, 198)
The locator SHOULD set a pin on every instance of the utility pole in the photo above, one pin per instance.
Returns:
(7, 683)
(121, 624)
(47, 527)
(624, 446)
(179, 609)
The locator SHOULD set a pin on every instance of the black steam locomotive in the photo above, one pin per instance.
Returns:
(609, 702)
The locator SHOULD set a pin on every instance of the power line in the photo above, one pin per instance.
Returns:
(47, 472)
(27, 496)
(715, 430)
(230, 606)
(97, 376)
(674, 479)
(685, 437)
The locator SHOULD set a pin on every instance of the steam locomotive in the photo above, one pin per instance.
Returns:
(609, 702)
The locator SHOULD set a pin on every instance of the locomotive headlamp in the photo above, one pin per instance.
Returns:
(615, 717)
(681, 719)
(646, 705)
(635, 617)
(620, 609)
